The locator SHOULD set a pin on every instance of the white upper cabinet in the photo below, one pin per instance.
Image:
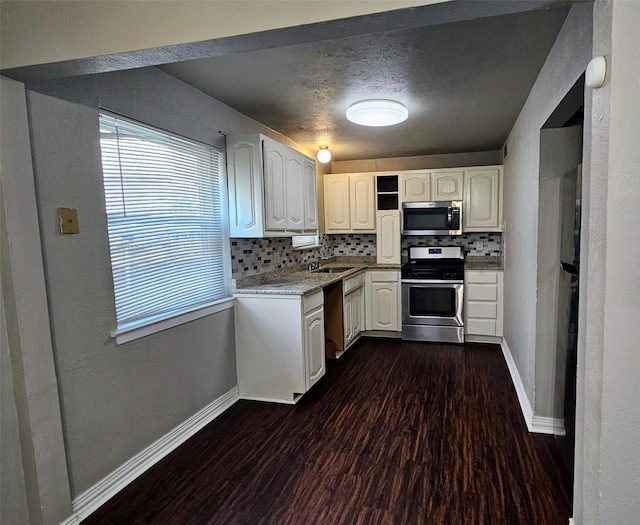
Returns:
(362, 202)
(272, 190)
(295, 192)
(447, 185)
(244, 163)
(275, 185)
(349, 203)
(336, 203)
(482, 207)
(415, 186)
(310, 194)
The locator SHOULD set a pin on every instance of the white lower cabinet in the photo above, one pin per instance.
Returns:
(483, 304)
(277, 358)
(383, 300)
(353, 308)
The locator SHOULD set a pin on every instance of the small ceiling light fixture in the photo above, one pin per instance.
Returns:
(324, 155)
(377, 112)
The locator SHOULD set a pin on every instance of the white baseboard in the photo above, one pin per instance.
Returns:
(493, 339)
(548, 425)
(525, 405)
(537, 424)
(71, 520)
(101, 492)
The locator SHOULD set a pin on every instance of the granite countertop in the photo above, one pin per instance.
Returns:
(483, 263)
(300, 281)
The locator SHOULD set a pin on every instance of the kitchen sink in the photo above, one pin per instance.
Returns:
(339, 269)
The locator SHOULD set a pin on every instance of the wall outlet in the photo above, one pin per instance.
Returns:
(479, 245)
(68, 218)
(276, 258)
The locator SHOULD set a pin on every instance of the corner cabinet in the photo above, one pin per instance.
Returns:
(350, 203)
(483, 304)
(272, 188)
(279, 361)
(482, 203)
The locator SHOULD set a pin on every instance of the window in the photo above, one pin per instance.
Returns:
(299, 242)
(165, 207)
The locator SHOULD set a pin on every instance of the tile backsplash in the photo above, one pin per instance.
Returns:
(255, 256)
(491, 243)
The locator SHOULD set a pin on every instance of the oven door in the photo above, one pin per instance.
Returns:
(433, 303)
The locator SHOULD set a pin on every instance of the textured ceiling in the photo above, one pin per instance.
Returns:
(464, 84)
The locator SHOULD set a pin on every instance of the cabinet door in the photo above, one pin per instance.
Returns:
(357, 311)
(336, 203)
(447, 185)
(245, 188)
(362, 201)
(295, 191)
(384, 306)
(275, 183)
(415, 187)
(314, 346)
(388, 239)
(310, 195)
(347, 312)
(482, 200)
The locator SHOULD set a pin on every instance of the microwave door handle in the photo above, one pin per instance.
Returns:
(449, 216)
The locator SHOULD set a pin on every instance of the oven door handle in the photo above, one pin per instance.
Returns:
(430, 281)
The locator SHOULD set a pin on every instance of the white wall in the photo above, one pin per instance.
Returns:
(566, 62)
(607, 483)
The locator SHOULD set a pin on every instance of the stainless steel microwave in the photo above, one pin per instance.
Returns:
(432, 218)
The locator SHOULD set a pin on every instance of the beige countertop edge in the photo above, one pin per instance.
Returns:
(306, 282)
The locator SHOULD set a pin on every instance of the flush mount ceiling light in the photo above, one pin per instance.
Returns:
(377, 112)
(324, 155)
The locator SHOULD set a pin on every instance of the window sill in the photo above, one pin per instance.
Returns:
(143, 330)
(299, 248)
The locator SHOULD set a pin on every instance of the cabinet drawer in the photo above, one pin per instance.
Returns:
(352, 283)
(484, 310)
(481, 292)
(481, 277)
(313, 301)
(387, 276)
(480, 327)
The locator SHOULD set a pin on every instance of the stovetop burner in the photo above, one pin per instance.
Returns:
(434, 263)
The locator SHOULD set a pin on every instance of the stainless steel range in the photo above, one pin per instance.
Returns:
(432, 294)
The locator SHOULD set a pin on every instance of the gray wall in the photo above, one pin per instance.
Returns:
(560, 150)
(34, 469)
(12, 488)
(116, 400)
(607, 484)
(566, 62)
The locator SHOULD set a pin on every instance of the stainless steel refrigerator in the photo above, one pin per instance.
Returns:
(568, 300)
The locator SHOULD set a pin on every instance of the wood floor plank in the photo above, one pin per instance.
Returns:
(396, 433)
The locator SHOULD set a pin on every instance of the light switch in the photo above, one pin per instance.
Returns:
(68, 220)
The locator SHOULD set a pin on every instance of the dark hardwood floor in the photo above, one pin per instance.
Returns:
(396, 433)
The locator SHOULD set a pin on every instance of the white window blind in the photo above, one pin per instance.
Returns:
(165, 217)
(304, 241)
